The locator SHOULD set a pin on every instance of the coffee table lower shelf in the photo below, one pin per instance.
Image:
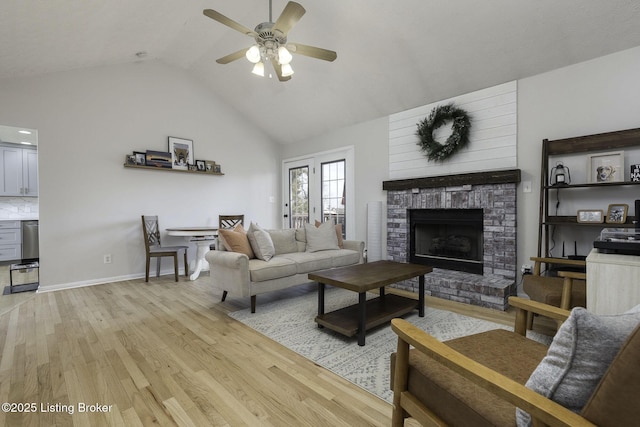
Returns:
(378, 311)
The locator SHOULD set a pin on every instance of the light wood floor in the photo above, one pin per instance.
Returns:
(166, 353)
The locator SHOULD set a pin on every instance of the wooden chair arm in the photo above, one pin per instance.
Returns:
(517, 394)
(525, 306)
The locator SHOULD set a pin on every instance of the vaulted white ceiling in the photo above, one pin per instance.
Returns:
(392, 55)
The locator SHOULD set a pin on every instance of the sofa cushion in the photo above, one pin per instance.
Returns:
(581, 352)
(284, 241)
(307, 262)
(338, 228)
(236, 240)
(276, 268)
(457, 400)
(260, 242)
(344, 257)
(615, 400)
(321, 238)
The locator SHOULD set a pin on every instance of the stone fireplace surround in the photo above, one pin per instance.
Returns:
(493, 192)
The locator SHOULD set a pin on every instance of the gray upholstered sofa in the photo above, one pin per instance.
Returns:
(291, 260)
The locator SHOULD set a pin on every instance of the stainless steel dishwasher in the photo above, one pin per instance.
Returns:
(30, 245)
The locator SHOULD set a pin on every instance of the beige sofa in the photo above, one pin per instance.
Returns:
(293, 259)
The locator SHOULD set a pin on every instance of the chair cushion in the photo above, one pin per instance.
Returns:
(548, 290)
(457, 400)
(236, 240)
(615, 400)
(581, 352)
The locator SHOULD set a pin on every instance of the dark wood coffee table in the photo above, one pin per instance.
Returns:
(367, 314)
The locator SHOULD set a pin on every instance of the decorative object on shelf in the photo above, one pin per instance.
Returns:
(160, 159)
(590, 216)
(606, 167)
(634, 175)
(209, 165)
(130, 159)
(141, 158)
(217, 168)
(617, 213)
(560, 175)
(200, 165)
(181, 152)
(459, 138)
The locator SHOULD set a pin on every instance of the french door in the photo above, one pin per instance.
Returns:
(319, 187)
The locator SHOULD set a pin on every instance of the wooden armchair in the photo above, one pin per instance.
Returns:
(479, 379)
(566, 290)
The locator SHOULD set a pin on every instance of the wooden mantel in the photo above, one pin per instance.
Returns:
(475, 178)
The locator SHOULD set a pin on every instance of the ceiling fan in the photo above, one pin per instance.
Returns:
(271, 42)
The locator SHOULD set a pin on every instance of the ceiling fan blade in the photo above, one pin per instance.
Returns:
(232, 56)
(313, 52)
(217, 16)
(289, 17)
(278, 69)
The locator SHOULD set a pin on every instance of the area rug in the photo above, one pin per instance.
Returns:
(290, 322)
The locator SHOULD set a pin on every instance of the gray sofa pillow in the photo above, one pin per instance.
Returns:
(321, 238)
(284, 241)
(260, 242)
(581, 352)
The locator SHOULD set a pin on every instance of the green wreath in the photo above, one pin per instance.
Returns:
(459, 136)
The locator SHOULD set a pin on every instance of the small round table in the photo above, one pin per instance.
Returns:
(203, 237)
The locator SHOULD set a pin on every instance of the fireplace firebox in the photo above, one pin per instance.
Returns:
(451, 239)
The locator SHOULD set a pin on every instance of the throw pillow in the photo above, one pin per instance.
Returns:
(338, 234)
(321, 238)
(260, 242)
(579, 355)
(284, 241)
(236, 241)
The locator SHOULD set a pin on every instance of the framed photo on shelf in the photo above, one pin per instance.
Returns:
(141, 158)
(130, 159)
(590, 216)
(634, 175)
(617, 213)
(606, 167)
(181, 152)
(161, 159)
(209, 165)
(200, 165)
(217, 168)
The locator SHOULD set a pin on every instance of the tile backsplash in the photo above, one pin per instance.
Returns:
(19, 208)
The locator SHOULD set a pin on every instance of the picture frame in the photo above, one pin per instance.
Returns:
(209, 166)
(217, 168)
(201, 166)
(181, 152)
(140, 158)
(617, 213)
(606, 167)
(590, 216)
(160, 159)
(634, 173)
(130, 159)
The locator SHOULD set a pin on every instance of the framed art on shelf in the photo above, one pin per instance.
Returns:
(209, 165)
(606, 167)
(200, 165)
(590, 216)
(161, 159)
(131, 159)
(181, 152)
(617, 213)
(141, 158)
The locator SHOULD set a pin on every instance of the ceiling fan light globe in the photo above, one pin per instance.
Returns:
(258, 69)
(287, 70)
(284, 56)
(253, 54)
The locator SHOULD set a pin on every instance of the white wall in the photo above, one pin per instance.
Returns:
(90, 205)
(596, 96)
(370, 140)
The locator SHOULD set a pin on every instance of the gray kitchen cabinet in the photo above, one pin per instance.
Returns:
(19, 174)
(10, 240)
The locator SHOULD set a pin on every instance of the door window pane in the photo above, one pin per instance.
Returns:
(298, 196)
(334, 192)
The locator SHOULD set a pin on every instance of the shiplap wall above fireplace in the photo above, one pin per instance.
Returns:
(492, 140)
